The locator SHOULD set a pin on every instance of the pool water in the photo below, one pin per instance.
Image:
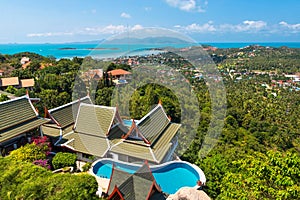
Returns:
(128, 122)
(170, 177)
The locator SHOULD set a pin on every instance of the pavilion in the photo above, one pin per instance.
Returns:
(19, 121)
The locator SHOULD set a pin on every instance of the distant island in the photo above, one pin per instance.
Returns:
(90, 48)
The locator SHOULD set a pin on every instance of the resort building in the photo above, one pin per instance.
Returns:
(62, 119)
(19, 121)
(140, 185)
(99, 132)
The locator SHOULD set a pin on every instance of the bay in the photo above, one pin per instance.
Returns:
(69, 50)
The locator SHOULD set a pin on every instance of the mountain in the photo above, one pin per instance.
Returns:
(147, 40)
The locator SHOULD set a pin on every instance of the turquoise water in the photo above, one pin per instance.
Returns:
(82, 50)
(170, 177)
(111, 50)
(128, 122)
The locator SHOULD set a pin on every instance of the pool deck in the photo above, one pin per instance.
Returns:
(102, 182)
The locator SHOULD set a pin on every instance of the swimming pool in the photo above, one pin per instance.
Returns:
(171, 176)
(128, 122)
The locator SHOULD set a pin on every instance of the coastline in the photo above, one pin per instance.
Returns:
(70, 50)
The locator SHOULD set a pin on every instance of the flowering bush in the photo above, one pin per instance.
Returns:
(42, 163)
(43, 142)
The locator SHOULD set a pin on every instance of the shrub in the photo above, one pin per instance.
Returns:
(86, 167)
(62, 160)
(23, 180)
(29, 153)
(42, 163)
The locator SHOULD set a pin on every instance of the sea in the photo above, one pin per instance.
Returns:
(98, 50)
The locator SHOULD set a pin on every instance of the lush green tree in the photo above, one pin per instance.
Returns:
(274, 175)
(62, 160)
(103, 96)
(23, 180)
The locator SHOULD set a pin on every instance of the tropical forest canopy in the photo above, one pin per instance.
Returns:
(258, 152)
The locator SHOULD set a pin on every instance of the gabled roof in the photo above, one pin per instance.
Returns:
(153, 124)
(155, 132)
(87, 143)
(118, 72)
(65, 115)
(9, 81)
(92, 128)
(94, 119)
(18, 116)
(138, 186)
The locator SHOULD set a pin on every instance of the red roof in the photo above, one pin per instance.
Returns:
(117, 72)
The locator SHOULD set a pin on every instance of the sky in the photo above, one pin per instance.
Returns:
(59, 21)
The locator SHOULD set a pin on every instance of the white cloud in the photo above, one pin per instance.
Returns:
(187, 5)
(209, 27)
(125, 15)
(110, 29)
(290, 26)
(252, 25)
(246, 26)
(137, 27)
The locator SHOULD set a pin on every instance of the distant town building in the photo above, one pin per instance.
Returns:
(16, 82)
(11, 81)
(119, 74)
(24, 60)
(96, 74)
(26, 83)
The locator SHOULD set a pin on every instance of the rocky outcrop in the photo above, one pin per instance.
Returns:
(187, 193)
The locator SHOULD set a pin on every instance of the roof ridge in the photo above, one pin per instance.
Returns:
(68, 104)
(150, 113)
(14, 99)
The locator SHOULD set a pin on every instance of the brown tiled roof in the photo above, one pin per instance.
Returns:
(27, 82)
(117, 72)
(9, 81)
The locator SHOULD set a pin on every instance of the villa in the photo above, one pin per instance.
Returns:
(99, 132)
(19, 121)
